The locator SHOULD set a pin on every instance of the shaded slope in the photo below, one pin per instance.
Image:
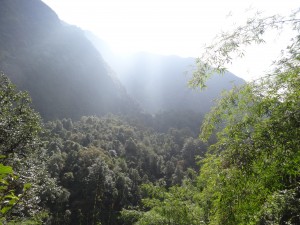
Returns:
(159, 83)
(63, 72)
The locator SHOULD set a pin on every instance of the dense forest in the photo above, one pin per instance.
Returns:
(111, 162)
(91, 168)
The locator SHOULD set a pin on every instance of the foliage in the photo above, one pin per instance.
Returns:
(175, 206)
(22, 171)
(102, 161)
(8, 197)
(251, 173)
(142, 170)
(255, 161)
(227, 46)
(19, 127)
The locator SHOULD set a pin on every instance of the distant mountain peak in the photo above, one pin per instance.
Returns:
(159, 83)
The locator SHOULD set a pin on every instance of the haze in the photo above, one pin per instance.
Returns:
(168, 27)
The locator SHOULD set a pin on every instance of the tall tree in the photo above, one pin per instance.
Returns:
(23, 177)
(251, 174)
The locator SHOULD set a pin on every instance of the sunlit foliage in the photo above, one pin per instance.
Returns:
(251, 173)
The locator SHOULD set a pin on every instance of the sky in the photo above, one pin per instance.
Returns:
(174, 27)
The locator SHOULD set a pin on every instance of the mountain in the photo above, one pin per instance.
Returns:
(62, 68)
(62, 71)
(159, 83)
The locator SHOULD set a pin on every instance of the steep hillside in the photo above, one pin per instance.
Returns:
(63, 72)
(159, 83)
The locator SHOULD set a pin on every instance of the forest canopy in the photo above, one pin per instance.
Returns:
(250, 175)
(144, 169)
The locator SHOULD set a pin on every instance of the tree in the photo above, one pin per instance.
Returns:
(23, 176)
(226, 46)
(251, 175)
(19, 124)
(173, 207)
(256, 157)
(19, 128)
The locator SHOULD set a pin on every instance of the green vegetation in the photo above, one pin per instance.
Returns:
(103, 161)
(148, 170)
(250, 175)
(255, 161)
(99, 163)
(23, 175)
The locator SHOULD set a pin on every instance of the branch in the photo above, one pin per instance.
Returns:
(228, 45)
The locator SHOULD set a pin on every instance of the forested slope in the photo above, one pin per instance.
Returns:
(64, 74)
(134, 167)
(103, 161)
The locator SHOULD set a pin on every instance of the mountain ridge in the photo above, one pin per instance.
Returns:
(62, 71)
(159, 83)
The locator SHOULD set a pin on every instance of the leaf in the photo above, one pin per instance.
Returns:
(11, 196)
(5, 209)
(5, 169)
(26, 186)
